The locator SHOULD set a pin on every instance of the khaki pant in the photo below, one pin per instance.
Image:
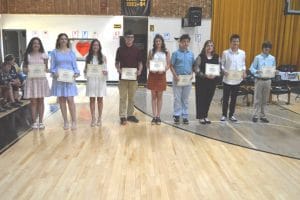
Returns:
(261, 95)
(127, 91)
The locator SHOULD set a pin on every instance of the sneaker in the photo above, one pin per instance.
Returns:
(207, 121)
(66, 125)
(176, 119)
(233, 119)
(19, 102)
(254, 119)
(15, 105)
(93, 123)
(41, 126)
(185, 121)
(35, 125)
(73, 126)
(264, 120)
(202, 121)
(223, 118)
(132, 119)
(158, 120)
(153, 121)
(7, 106)
(2, 109)
(99, 121)
(123, 121)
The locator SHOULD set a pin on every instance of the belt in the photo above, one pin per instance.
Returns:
(263, 79)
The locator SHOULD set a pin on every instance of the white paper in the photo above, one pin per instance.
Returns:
(36, 71)
(184, 80)
(95, 70)
(212, 69)
(157, 66)
(65, 75)
(129, 74)
(268, 72)
(234, 75)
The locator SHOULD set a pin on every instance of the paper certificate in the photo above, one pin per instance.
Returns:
(184, 80)
(129, 74)
(94, 71)
(36, 71)
(157, 66)
(65, 75)
(268, 72)
(234, 75)
(212, 69)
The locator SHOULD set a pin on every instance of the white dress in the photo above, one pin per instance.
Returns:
(95, 87)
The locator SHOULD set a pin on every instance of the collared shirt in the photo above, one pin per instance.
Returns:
(261, 61)
(182, 61)
(233, 61)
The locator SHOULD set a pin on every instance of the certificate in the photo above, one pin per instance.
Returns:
(95, 71)
(212, 69)
(234, 75)
(184, 80)
(65, 75)
(36, 71)
(268, 72)
(129, 74)
(157, 66)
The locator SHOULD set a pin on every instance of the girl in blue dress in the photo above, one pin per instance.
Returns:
(63, 58)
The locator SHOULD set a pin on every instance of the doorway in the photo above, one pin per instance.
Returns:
(139, 26)
(14, 42)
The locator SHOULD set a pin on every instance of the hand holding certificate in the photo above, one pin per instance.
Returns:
(94, 71)
(157, 66)
(36, 71)
(129, 74)
(234, 75)
(65, 75)
(212, 69)
(184, 80)
(268, 72)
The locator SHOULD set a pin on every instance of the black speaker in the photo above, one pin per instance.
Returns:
(194, 16)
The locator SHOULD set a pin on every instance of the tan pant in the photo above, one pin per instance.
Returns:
(127, 91)
(261, 95)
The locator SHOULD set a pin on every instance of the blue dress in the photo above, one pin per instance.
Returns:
(63, 60)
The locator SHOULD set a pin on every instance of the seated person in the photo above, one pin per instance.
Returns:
(16, 82)
(7, 82)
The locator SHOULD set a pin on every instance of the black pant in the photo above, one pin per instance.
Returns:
(205, 90)
(232, 91)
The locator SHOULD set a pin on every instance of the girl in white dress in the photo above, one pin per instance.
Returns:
(96, 84)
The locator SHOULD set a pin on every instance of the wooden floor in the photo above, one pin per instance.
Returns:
(138, 161)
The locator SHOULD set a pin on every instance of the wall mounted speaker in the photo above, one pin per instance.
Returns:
(194, 16)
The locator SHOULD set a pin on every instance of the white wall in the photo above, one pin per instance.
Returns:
(171, 28)
(47, 27)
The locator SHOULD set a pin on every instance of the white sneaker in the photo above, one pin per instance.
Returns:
(99, 121)
(93, 123)
(233, 119)
(66, 125)
(41, 126)
(35, 125)
(73, 126)
(223, 118)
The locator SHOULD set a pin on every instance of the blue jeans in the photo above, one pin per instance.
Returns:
(181, 100)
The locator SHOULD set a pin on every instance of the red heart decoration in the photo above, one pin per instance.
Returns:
(83, 47)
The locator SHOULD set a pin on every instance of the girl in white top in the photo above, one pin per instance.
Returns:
(96, 84)
(36, 88)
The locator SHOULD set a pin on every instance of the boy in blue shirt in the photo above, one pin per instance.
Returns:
(182, 61)
(262, 85)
